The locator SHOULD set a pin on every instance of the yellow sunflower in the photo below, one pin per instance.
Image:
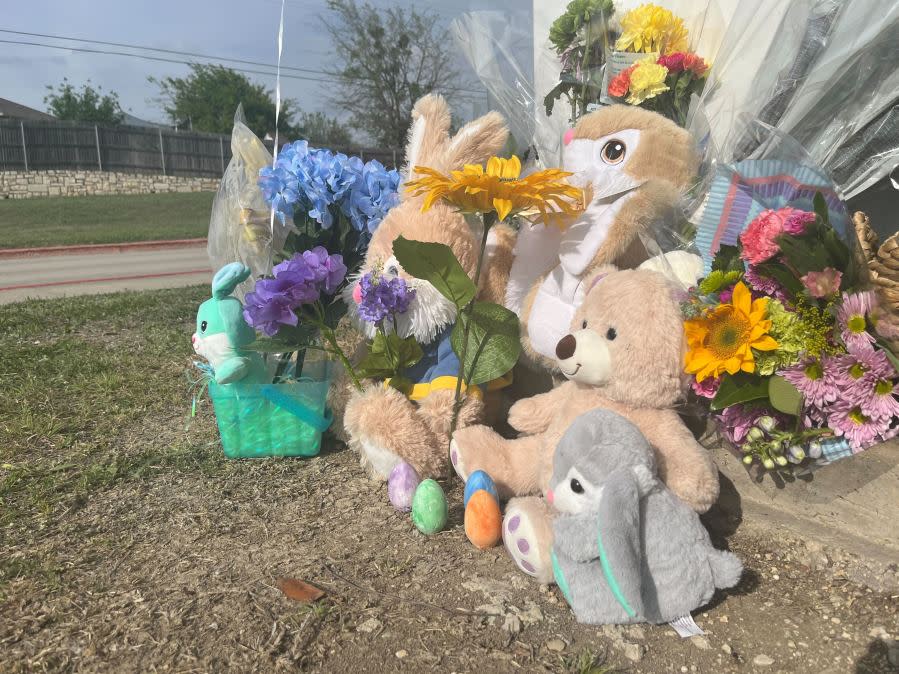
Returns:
(498, 187)
(722, 340)
(653, 30)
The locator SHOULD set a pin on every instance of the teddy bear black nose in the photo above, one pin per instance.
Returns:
(565, 348)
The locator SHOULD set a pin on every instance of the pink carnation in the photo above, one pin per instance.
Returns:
(823, 283)
(673, 62)
(707, 388)
(797, 222)
(759, 238)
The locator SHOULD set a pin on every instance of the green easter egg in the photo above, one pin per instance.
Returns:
(429, 508)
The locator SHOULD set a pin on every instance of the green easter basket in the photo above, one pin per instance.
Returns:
(288, 419)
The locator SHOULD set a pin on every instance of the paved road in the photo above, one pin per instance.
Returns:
(33, 276)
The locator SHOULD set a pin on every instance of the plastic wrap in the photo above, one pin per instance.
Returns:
(820, 71)
(241, 228)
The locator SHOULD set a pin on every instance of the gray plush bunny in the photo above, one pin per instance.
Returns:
(626, 549)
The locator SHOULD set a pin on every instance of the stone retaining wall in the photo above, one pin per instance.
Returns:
(27, 184)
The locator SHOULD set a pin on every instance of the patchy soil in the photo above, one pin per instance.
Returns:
(129, 543)
(178, 572)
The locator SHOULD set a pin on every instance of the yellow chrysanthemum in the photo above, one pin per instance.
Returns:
(723, 339)
(647, 81)
(652, 30)
(476, 189)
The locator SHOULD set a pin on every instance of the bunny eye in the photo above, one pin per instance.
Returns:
(203, 326)
(576, 486)
(613, 151)
(611, 334)
(393, 270)
(584, 324)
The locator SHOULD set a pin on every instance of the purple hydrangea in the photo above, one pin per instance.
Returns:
(379, 297)
(302, 279)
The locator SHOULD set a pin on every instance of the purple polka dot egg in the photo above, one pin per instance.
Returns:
(401, 486)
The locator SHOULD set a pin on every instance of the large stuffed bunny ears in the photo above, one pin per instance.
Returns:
(430, 143)
(228, 278)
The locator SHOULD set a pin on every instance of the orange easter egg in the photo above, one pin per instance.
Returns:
(483, 520)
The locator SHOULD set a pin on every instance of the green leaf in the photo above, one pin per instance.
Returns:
(494, 342)
(436, 264)
(406, 351)
(728, 259)
(784, 396)
(402, 384)
(821, 208)
(739, 388)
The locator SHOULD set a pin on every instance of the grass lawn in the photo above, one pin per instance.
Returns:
(116, 218)
(128, 543)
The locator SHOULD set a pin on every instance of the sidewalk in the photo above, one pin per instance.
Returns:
(86, 270)
(844, 515)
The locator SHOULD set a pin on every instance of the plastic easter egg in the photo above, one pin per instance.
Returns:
(483, 520)
(480, 480)
(401, 486)
(429, 510)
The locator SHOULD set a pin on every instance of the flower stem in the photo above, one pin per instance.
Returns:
(489, 219)
(328, 333)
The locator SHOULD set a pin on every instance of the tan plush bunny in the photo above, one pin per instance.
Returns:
(382, 424)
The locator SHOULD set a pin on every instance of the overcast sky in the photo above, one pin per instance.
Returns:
(224, 28)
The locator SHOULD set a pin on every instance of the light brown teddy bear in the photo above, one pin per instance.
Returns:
(624, 353)
(382, 424)
(636, 164)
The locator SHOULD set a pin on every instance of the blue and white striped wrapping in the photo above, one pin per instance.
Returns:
(739, 192)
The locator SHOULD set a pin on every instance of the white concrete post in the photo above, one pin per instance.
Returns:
(24, 149)
(97, 139)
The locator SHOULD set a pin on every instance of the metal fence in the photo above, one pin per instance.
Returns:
(43, 146)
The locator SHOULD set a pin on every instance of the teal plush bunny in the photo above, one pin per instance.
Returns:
(222, 331)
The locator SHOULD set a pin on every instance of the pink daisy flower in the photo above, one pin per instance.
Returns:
(852, 318)
(814, 380)
(853, 372)
(860, 430)
(880, 401)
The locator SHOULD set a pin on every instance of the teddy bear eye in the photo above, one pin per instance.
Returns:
(576, 486)
(584, 325)
(203, 326)
(611, 334)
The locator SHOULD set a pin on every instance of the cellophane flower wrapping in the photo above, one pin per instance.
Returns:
(240, 227)
(822, 72)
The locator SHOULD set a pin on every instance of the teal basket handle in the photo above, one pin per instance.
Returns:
(300, 411)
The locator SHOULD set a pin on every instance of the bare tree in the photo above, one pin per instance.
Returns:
(387, 59)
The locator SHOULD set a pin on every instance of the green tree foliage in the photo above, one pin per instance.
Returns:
(85, 105)
(324, 131)
(387, 58)
(206, 99)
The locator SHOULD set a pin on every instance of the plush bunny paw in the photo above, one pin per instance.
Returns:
(521, 536)
(456, 458)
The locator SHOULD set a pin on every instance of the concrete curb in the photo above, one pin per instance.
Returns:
(6, 253)
(843, 520)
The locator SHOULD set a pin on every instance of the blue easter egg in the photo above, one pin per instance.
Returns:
(480, 480)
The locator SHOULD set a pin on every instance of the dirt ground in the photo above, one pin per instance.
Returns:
(135, 546)
(179, 573)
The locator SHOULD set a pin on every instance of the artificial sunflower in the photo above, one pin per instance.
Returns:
(722, 340)
(498, 187)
